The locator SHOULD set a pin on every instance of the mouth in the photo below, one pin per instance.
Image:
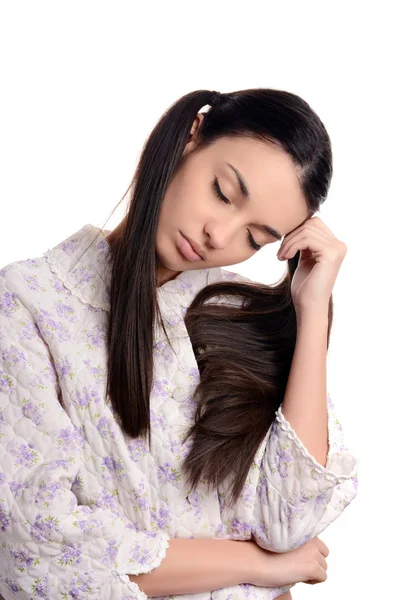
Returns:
(185, 246)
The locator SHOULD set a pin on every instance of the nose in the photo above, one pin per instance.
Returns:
(220, 235)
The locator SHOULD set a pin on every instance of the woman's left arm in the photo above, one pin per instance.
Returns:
(307, 474)
(305, 400)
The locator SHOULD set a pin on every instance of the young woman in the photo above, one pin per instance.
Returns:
(165, 426)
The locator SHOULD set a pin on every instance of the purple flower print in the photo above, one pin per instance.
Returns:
(140, 556)
(77, 484)
(37, 382)
(82, 275)
(72, 437)
(82, 398)
(47, 492)
(52, 327)
(248, 494)
(262, 535)
(158, 421)
(168, 474)
(32, 282)
(43, 527)
(24, 453)
(161, 517)
(64, 368)
(172, 320)
(9, 303)
(292, 513)
(5, 516)
(140, 496)
(106, 500)
(96, 337)
(70, 246)
(14, 356)
(23, 559)
(110, 552)
(137, 448)
(56, 464)
(193, 504)
(92, 309)
(88, 524)
(66, 312)
(70, 555)
(247, 588)
(185, 287)
(263, 489)
(80, 585)
(179, 449)
(283, 461)
(49, 371)
(60, 288)
(105, 427)
(12, 585)
(113, 466)
(96, 371)
(161, 388)
(242, 529)
(17, 488)
(32, 411)
(6, 383)
(40, 587)
(30, 331)
(162, 352)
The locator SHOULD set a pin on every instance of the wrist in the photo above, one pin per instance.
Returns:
(317, 315)
(259, 565)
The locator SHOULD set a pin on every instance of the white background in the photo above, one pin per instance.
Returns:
(83, 83)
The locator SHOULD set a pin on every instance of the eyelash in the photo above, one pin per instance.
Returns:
(218, 192)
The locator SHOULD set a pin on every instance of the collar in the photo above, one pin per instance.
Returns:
(83, 261)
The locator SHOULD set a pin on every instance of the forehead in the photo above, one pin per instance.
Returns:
(271, 178)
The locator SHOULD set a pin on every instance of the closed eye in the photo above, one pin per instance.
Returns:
(221, 195)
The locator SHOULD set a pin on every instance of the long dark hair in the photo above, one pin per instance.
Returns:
(244, 351)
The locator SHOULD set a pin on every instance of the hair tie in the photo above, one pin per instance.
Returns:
(216, 98)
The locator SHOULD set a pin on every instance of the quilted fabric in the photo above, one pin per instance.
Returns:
(81, 504)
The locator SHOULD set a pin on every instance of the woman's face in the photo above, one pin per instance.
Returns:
(224, 231)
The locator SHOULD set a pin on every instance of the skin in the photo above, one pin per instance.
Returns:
(191, 206)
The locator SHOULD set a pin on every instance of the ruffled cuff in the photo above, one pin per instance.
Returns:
(295, 473)
(141, 552)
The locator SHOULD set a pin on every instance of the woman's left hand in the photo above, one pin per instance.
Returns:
(321, 255)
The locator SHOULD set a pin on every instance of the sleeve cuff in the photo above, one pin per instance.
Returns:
(141, 552)
(340, 464)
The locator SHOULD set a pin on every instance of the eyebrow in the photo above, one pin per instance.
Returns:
(245, 193)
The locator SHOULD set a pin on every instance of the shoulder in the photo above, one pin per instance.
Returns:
(26, 279)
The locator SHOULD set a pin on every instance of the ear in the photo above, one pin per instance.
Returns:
(194, 133)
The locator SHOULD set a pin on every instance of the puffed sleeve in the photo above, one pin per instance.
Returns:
(50, 546)
(297, 497)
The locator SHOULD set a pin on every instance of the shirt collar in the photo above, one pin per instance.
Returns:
(83, 263)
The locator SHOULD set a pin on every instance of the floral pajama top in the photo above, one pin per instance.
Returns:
(82, 505)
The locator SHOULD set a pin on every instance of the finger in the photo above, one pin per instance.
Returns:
(312, 227)
(314, 241)
(323, 548)
(322, 562)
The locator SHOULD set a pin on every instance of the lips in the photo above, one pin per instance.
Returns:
(187, 249)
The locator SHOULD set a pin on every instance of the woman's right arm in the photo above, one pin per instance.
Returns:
(50, 545)
(198, 565)
(201, 565)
